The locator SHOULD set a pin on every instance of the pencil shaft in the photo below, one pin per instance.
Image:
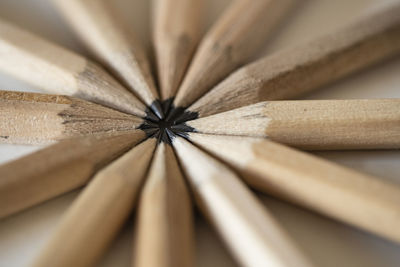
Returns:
(314, 124)
(97, 25)
(95, 217)
(175, 35)
(238, 34)
(249, 230)
(360, 200)
(31, 118)
(164, 223)
(57, 70)
(57, 169)
(295, 71)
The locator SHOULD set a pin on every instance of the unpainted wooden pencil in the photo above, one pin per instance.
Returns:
(313, 124)
(58, 169)
(292, 72)
(94, 219)
(164, 229)
(98, 26)
(248, 229)
(58, 70)
(358, 199)
(176, 32)
(32, 118)
(238, 34)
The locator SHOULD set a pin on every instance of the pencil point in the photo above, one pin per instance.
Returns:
(150, 116)
(173, 123)
(170, 136)
(166, 105)
(157, 108)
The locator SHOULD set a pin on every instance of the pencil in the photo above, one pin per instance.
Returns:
(358, 199)
(98, 26)
(32, 118)
(248, 229)
(58, 169)
(238, 34)
(94, 219)
(60, 71)
(164, 228)
(290, 73)
(176, 32)
(313, 124)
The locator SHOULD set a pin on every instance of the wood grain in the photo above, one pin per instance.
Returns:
(94, 219)
(97, 24)
(249, 230)
(58, 169)
(164, 229)
(314, 124)
(57, 70)
(292, 72)
(176, 32)
(240, 31)
(363, 201)
(31, 118)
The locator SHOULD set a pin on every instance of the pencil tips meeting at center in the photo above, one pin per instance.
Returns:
(173, 123)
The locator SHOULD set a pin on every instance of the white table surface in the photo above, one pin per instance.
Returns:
(326, 242)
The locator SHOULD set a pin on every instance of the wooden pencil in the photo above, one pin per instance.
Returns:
(164, 229)
(58, 169)
(238, 34)
(96, 24)
(32, 118)
(93, 220)
(313, 124)
(248, 229)
(60, 71)
(292, 72)
(176, 32)
(358, 199)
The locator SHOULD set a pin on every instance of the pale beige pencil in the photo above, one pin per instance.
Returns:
(58, 169)
(292, 72)
(249, 230)
(164, 229)
(58, 70)
(313, 124)
(98, 26)
(176, 32)
(93, 220)
(32, 118)
(238, 34)
(358, 199)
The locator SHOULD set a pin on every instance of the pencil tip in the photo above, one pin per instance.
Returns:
(150, 116)
(166, 105)
(170, 135)
(157, 108)
(172, 114)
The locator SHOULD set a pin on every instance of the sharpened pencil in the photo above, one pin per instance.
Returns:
(249, 230)
(164, 229)
(313, 124)
(363, 201)
(98, 26)
(95, 217)
(176, 32)
(292, 72)
(240, 31)
(32, 118)
(60, 71)
(58, 169)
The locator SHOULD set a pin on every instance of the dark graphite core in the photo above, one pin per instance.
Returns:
(171, 125)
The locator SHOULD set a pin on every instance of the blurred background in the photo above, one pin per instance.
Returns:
(326, 242)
